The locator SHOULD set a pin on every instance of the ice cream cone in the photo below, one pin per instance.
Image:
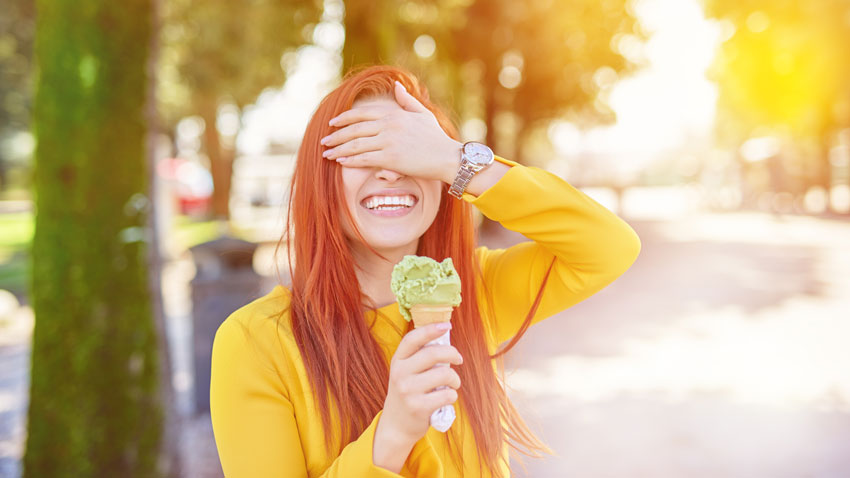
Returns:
(427, 291)
(424, 314)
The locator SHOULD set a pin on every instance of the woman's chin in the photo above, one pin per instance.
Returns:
(391, 244)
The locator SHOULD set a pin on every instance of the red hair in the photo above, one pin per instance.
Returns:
(345, 365)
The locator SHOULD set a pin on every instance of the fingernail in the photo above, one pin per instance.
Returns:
(326, 153)
(341, 159)
(443, 325)
(324, 140)
(399, 84)
(332, 121)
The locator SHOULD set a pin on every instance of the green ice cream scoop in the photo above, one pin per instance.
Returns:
(422, 280)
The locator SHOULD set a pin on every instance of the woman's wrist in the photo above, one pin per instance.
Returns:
(390, 448)
(481, 181)
(451, 165)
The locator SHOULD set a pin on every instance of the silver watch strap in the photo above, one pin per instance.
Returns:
(464, 175)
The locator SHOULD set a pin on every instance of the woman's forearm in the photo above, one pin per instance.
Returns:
(486, 178)
(389, 449)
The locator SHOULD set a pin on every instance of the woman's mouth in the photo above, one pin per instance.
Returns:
(389, 205)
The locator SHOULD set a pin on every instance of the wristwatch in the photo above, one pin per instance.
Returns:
(474, 157)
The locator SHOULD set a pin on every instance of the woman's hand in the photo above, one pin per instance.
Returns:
(407, 140)
(411, 398)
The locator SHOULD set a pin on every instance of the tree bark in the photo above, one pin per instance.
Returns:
(370, 33)
(95, 408)
(221, 159)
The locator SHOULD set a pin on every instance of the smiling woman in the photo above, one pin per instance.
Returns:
(375, 194)
(326, 378)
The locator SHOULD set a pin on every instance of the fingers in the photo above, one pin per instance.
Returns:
(424, 404)
(437, 377)
(408, 101)
(427, 357)
(439, 398)
(355, 146)
(421, 383)
(363, 128)
(359, 113)
(417, 338)
(361, 160)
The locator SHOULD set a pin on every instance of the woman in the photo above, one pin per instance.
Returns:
(326, 378)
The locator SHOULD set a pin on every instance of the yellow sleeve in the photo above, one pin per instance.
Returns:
(254, 422)
(591, 246)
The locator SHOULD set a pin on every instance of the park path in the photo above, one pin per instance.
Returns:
(721, 352)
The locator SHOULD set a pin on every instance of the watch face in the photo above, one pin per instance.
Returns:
(478, 153)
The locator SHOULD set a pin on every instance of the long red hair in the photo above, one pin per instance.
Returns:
(346, 367)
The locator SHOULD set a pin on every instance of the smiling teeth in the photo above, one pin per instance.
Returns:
(389, 202)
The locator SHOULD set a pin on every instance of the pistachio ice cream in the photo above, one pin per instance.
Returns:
(419, 280)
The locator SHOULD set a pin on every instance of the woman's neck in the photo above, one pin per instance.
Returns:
(375, 274)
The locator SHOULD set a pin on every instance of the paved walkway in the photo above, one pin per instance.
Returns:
(722, 352)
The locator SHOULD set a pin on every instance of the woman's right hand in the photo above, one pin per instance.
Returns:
(411, 398)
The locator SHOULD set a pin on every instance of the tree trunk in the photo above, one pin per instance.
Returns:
(95, 407)
(370, 33)
(221, 159)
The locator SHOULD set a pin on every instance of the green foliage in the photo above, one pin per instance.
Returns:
(94, 401)
(551, 48)
(557, 45)
(219, 51)
(375, 32)
(783, 67)
(230, 51)
(235, 48)
(17, 25)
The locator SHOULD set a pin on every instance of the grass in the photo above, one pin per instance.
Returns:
(16, 232)
(190, 232)
(17, 229)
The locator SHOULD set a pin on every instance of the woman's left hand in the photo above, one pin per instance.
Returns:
(408, 141)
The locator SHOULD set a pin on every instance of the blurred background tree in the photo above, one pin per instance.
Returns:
(510, 66)
(514, 66)
(541, 61)
(95, 406)
(17, 28)
(783, 71)
(218, 54)
(372, 33)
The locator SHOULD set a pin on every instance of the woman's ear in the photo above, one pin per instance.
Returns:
(408, 101)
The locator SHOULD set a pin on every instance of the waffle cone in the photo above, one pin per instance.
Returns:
(424, 314)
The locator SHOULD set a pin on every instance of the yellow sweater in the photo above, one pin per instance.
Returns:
(263, 415)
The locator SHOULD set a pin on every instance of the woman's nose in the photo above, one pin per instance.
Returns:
(388, 175)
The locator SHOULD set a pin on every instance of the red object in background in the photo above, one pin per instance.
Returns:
(190, 183)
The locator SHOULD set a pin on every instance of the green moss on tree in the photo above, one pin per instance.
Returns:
(94, 408)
